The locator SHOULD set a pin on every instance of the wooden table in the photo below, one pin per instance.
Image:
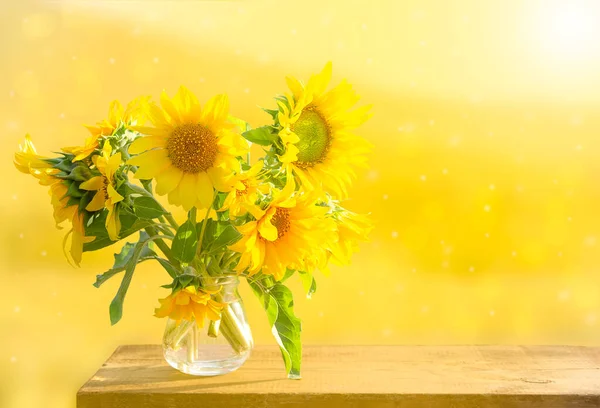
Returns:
(358, 377)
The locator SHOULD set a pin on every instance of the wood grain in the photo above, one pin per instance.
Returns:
(359, 377)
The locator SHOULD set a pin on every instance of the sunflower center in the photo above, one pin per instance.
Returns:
(281, 221)
(315, 137)
(240, 193)
(105, 184)
(192, 148)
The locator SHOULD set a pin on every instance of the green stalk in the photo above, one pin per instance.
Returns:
(203, 230)
(163, 246)
(213, 329)
(172, 221)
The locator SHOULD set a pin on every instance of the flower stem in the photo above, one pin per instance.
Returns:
(203, 230)
(192, 344)
(172, 221)
(213, 329)
(163, 246)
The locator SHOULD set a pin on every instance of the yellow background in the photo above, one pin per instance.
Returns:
(484, 183)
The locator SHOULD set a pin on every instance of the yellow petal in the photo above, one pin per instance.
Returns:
(204, 190)
(213, 310)
(182, 300)
(169, 107)
(113, 165)
(115, 197)
(290, 155)
(220, 177)
(115, 113)
(97, 202)
(288, 190)
(287, 136)
(150, 172)
(216, 110)
(174, 197)
(168, 180)
(165, 309)
(146, 143)
(248, 228)
(148, 158)
(78, 238)
(228, 200)
(113, 224)
(318, 83)
(188, 105)
(255, 211)
(232, 143)
(267, 229)
(187, 190)
(295, 86)
(157, 116)
(93, 184)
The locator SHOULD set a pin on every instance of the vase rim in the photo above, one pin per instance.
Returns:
(222, 280)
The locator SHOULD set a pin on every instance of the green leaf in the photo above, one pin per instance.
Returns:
(218, 235)
(278, 302)
(219, 201)
(73, 190)
(168, 266)
(227, 235)
(147, 208)
(147, 184)
(97, 228)
(86, 199)
(116, 306)
(185, 242)
(272, 112)
(308, 282)
(122, 258)
(261, 136)
(241, 124)
(288, 274)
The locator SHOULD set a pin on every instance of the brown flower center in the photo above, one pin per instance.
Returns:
(240, 193)
(192, 148)
(281, 221)
(315, 137)
(105, 185)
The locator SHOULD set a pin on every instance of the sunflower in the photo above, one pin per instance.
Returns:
(106, 195)
(189, 151)
(244, 194)
(291, 229)
(316, 131)
(190, 302)
(352, 228)
(135, 113)
(29, 162)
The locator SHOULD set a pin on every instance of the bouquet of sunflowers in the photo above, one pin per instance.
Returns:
(263, 220)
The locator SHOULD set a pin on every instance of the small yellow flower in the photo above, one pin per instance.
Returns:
(316, 130)
(190, 151)
(29, 162)
(242, 198)
(106, 195)
(135, 113)
(190, 303)
(293, 228)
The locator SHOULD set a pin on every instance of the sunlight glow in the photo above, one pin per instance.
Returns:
(569, 28)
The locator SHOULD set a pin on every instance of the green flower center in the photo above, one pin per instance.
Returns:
(192, 148)
(315, 138)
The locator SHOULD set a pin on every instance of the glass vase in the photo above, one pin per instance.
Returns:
(218, 347)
